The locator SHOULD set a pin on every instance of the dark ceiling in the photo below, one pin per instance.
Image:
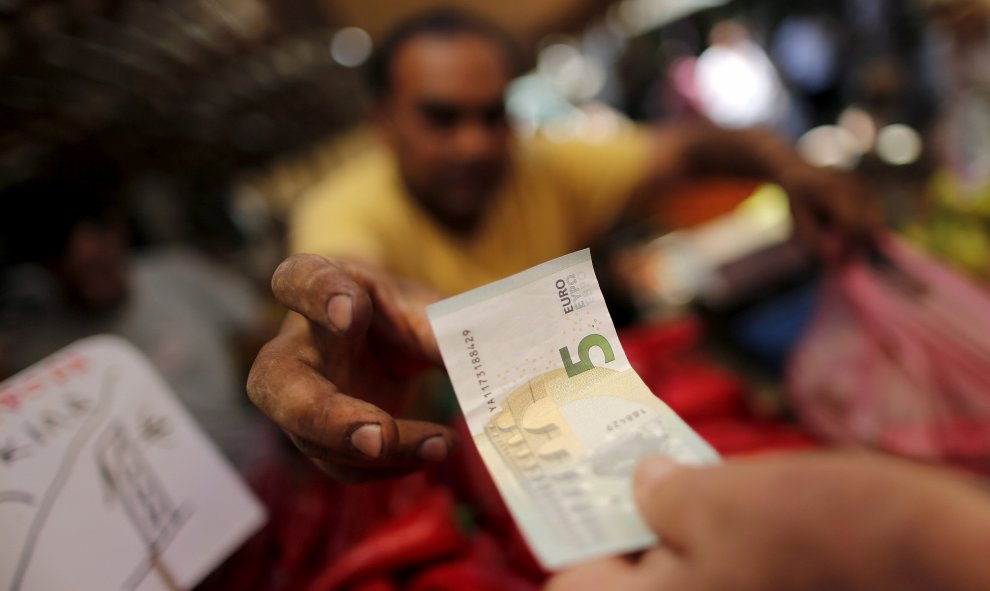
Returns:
(202, 86)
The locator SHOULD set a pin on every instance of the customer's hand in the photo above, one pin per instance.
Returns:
(337, 375)
(828, 521)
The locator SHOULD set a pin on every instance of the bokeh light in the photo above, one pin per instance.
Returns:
(860, 125)
(351, 47)
(829, 146)
(899, 145)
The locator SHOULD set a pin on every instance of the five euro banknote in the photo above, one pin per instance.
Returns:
(558, 415)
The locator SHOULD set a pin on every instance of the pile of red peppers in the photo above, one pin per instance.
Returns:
(443, 530)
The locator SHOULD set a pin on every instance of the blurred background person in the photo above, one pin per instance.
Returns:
(73, 273)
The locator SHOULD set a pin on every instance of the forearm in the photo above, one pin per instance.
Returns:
(706, 150)
(687, 152)
(833, 211)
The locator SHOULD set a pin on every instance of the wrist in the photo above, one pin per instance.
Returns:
(781, 162)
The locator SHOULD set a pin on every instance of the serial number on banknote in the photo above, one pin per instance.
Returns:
(479, 372)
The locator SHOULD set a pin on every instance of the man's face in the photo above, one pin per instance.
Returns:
(445, 122)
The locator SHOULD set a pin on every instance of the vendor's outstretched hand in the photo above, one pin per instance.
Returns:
(833, 212)
(339, 371)
(816, 522)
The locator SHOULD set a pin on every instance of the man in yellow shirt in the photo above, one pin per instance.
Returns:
(454, 202)
(554, 199)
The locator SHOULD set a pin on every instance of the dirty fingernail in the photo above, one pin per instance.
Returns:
(340, 311)
(367, 439)
(433, 449)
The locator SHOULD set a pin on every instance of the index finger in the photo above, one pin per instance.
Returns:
(348, 298)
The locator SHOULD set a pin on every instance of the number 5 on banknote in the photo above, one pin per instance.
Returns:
(558, 415)
(584, 354)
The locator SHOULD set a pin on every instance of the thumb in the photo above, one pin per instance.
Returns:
(661, 490)
(651, 473)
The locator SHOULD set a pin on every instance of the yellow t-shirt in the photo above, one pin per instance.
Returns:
(556, 199)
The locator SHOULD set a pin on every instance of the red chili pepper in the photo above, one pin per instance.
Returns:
(248, 568)
(301, 525)
(656, 350)
(469, 576)
(483, 548)
(427, 531)
(376, 584)
(360, 509)
(474, 483)
(663, 339)
(521, 557)
(700, 391)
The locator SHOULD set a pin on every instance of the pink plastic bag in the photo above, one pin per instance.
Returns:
(898, 358)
